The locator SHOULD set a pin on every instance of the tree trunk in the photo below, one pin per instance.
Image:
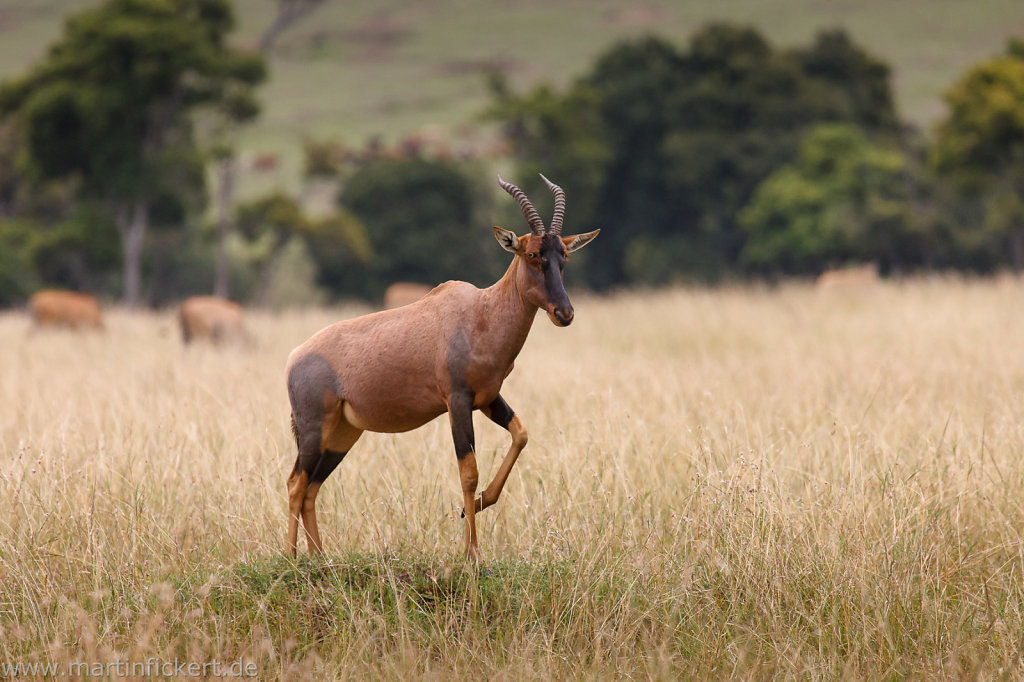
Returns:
(268, 271)
(225, 198)
(288, 12)
(132, 222)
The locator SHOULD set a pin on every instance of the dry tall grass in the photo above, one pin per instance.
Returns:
(741, 482)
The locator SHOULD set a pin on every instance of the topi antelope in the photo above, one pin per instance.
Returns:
(858, 277)
(55, 308)
(213, 318)
(396, 370)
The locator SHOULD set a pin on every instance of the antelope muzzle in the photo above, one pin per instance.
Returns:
(561, 315)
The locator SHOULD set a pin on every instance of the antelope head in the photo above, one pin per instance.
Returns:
(542, 254)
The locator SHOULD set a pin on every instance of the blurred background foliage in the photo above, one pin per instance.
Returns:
(127, 167)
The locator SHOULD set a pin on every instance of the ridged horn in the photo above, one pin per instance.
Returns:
(556, 219)
(532, 217)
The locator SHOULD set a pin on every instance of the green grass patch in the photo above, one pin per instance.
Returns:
(313, 598)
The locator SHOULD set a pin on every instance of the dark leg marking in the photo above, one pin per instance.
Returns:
(499, 412)
(460, 413)
(311, 380)
(460, 403)
(460, 408)
(329, 461)
(312, 387)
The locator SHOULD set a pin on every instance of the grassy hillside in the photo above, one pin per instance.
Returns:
(742, 483)
(358, 68)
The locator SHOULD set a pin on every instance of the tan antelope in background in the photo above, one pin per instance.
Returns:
(55, 308)
(211, 318)
(396, 370)
(404, 293)
(857, 277)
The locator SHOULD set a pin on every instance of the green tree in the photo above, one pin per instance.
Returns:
(562, 136)
(238, 107)
(340, 247)
(17, 276)
(10, 147)
(273, 220)
(855, 82)
(338, 244)
(844, 199)
(980, 146)
(425, 223)
(678, 139)
(110, 106)
(48, 238)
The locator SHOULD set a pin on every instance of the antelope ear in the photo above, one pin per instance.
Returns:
(507, 238)
(575, 242)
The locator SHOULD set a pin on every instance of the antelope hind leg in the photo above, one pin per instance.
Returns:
(298, 481)
(337, 444)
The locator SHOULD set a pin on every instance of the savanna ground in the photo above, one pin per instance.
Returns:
(762, 483)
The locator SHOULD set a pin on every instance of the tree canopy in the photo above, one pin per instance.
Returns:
(677, 141)
(844, 199)
(110, 104)
(980, 146)
(722, 157)
(424, 222)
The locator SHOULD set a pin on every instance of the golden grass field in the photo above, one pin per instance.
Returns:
(742, 482)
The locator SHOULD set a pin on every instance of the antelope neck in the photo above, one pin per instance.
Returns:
(508, 310)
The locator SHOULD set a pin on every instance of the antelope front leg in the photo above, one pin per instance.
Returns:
(460, 412)
(501, 414)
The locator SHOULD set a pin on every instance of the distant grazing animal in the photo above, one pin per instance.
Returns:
(264, 163)
(211, 318)
(396, 370)
(404, 293)
(54, 308)
(848, 278)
